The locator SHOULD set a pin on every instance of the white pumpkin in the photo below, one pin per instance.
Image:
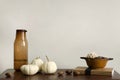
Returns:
(37, 61)
(49, 67)
(29, 69)
(92, 55)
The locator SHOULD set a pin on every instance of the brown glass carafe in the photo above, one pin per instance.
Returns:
(20, 49)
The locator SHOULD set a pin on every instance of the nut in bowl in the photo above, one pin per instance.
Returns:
(97, 62)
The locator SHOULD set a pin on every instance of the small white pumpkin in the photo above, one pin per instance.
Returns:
(49, 67)
(29, 69)
(92, 55)
(37, 61)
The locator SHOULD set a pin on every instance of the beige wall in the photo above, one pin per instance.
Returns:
(62, 29)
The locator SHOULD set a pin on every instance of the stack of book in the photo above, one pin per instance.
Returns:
(100, 71)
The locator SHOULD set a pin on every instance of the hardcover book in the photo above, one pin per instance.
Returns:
(100, 71)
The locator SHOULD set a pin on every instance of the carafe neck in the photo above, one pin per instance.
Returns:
(21, 34)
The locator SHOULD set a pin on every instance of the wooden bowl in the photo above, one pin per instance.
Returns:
(94, 63)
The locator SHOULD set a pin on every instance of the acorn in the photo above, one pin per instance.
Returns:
(76, 73)
(60, 73)
(68, 72)
(8, 75)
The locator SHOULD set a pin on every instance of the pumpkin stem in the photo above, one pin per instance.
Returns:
(47, 58)
(38, 57)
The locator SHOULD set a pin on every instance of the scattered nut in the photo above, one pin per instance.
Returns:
(68, 72)
(76, 73)
(60, 73)
(8, 75)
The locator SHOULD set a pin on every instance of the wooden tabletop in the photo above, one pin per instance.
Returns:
(17, 75)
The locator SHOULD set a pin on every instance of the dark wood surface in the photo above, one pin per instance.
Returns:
(17, 75)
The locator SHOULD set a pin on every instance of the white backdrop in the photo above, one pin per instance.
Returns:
(62, 29)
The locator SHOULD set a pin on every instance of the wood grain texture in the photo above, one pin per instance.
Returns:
(17, 75)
